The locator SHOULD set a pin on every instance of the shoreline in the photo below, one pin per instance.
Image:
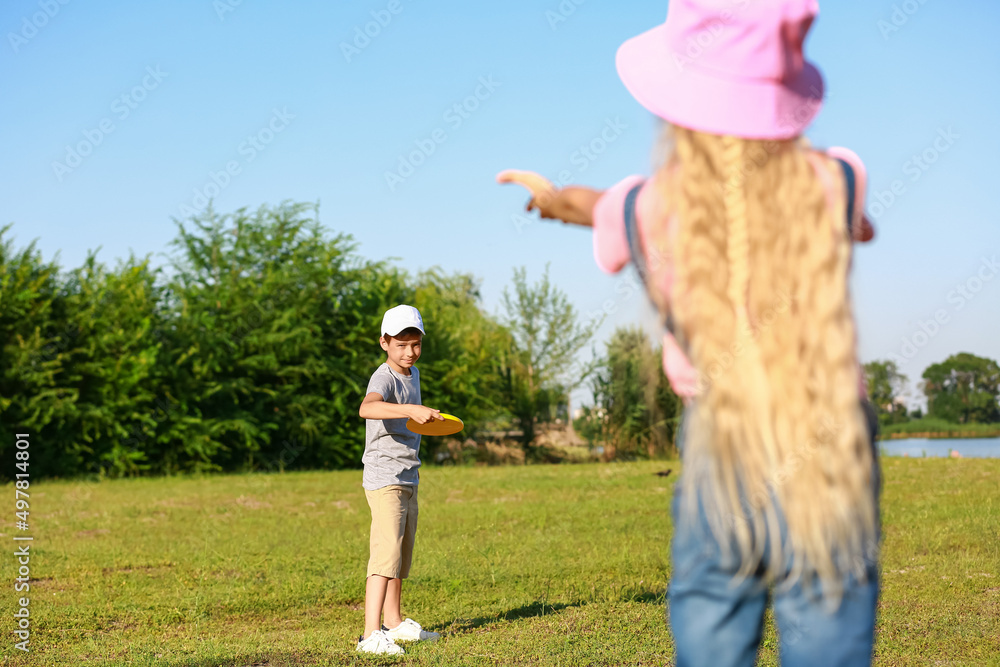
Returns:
(939, 435)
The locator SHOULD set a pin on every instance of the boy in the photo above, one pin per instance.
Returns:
(390, 480)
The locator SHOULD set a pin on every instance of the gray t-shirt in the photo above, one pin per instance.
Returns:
(390, 448)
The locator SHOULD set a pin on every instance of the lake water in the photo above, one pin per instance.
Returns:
(967, 447)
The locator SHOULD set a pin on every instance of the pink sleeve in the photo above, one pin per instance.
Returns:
(611, 251)
(860, 185)
(860, 181)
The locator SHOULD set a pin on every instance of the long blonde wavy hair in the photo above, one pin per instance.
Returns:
(760, 303)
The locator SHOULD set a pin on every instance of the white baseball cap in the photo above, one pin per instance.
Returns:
(400, 318)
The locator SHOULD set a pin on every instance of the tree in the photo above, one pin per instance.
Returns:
(636, 409)
(460, 365)
(112, 365)
(963, 389)
(35, 333)
(274, 339)
(546, 335)
(78, 363)
(252, 350)
(886, 386)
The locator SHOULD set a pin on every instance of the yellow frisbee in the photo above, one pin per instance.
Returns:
(450, 425)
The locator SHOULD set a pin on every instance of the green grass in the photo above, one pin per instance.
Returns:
(940, 426)
(536, 565)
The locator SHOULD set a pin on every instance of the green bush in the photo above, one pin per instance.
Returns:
(250, 350)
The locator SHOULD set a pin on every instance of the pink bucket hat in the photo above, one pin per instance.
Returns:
(727, 67)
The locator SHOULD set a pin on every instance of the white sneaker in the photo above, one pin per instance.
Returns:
(379, 642)
(410, 631)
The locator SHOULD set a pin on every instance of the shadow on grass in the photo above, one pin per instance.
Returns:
(339, 657)
(258, 659)
(288, 659)
(535, 609)
(649, 597)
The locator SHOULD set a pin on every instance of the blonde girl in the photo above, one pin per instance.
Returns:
(743, 238)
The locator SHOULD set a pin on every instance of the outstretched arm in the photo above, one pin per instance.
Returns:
(572, 204)
(375, 407)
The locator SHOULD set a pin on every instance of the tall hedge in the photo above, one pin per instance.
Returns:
(250, 349)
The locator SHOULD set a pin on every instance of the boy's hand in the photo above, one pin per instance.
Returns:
(422, 414)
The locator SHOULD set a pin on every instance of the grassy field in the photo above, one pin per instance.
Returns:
(536, 565)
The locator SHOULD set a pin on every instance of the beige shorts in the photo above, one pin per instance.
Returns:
(394, 528)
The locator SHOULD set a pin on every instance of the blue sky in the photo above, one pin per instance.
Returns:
(257, 103)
